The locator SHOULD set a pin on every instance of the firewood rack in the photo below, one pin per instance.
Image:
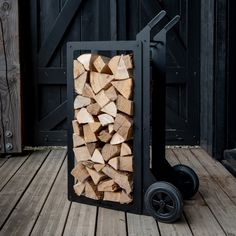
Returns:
(156, 182)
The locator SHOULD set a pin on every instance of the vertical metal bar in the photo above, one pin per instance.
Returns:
(113, 21)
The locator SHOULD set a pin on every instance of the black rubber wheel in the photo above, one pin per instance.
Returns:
(187, 182)
(164, 202)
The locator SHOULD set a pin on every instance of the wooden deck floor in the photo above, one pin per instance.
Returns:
(33, 201)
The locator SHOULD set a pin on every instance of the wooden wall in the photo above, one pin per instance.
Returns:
(10, 94)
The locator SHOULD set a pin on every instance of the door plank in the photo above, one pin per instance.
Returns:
(141, 225)
(16, 186)
(10, 95)
(10, 168)
(53, 215)
(25, 214)
(81, 220)
(110, 222)
(216, 199)
(218, 172)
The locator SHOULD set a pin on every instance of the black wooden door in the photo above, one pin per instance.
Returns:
(55, 22)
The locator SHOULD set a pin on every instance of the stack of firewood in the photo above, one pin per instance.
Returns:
(103, 127)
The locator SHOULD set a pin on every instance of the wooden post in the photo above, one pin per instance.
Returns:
(10, 96)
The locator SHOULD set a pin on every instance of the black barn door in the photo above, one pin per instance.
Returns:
(55, 22)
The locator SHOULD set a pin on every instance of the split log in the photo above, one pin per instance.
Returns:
(101, 99)
(125, 150)
(79, 188)
(121, 178)
(117, 139)
(97, 157)
(98, 167)
(101, 64)
(105, 119)
(89, 135)
(110, 128)
(109, 151)
(122, 72)
(95, 126)
(104, 136)
(120, 197)
(128, 61)
(111, 93)
(124, 105)
(124, 87)
(113, 64)
(88, 164)
(91, 191)
(125, 198)
(87, 60)
(114, 162)
(94, 109)
(96, 176)
(76, 127)
(81, 101)
(91, 147)
(80, 173)
(88, 92)
(126, 163)
(110, 109)
(80, 82)
(77, 140)
(126, 132)
(108, 185)
(99, 81)
(76, 112)
(78, 69)
(122, 120)
(84, 117)
(82, 153)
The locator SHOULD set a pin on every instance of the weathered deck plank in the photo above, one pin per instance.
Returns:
(110, 222)
(219, 203)
(81, 220)
(3, 160)
(12, 192)
(25, 214)
(54, 213)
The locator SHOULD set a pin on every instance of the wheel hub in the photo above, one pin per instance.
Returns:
(162, 204)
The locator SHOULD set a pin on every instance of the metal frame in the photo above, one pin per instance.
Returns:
(146, 170)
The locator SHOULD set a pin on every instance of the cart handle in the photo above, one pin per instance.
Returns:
(156, 19)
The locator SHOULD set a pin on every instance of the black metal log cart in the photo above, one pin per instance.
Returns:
(158, 188)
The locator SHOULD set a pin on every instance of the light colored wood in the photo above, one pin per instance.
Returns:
(77, 140)
(101, 64)
(97, 157)
(94, 109)
(110, 109)
(111, 93)
(89, 164)
(125, 198)
(99, 81)
(126, 131)
(122, 72)
(114, 162)
(81, 220)
(126, 163)
(124, 87)
(87, 60)
(98, 167)
(121, 178)
(81, 101)
(140, 225)
(101, 99)
(109, 151)
(122, 120)
(87, 91)
(80, 173)
(110, 128)
(78, 69)
(104, 136)
(76, 113)
(91, 191)
(80, 83)
(113, 64)
(28, 208)
(108, 185)
(79, 188)
(55, 209)
(89, 135)
(96, 176)
(128, 61)
(110, 222)
(84, 117)
(112, 196)
(105, 119)
(124, 105)
(125, 149)
(15, 187)
(95, 126)
(82, 153)
(117, 139)
(91, 147)
(76, 128)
